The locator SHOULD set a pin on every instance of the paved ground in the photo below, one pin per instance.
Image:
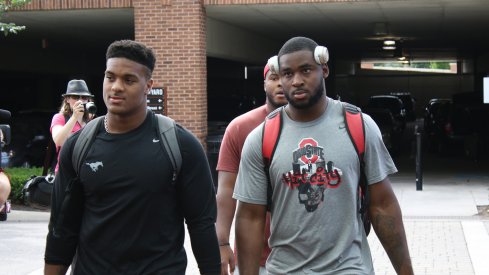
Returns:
(444, 231)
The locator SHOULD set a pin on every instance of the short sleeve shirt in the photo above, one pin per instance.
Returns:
(315, 226)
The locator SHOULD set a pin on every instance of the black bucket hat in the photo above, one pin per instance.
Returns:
(77, 87)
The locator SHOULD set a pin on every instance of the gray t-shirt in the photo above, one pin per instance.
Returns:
(315, 226)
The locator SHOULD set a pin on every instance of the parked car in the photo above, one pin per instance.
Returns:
(392, 103)
(409, 103)
(457, 126)
(435, 118)
(390, 128)
(476, 142)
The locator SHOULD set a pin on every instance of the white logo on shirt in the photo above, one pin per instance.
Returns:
(95, 165)
(156, 140)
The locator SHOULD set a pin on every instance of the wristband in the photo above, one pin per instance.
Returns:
(223, 244)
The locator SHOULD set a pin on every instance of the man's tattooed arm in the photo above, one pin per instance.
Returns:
(386, 217)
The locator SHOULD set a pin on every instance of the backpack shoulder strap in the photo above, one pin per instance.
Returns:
(354, 125)
(169, 140)
(271, 134)
(356, 130)
(85, 139)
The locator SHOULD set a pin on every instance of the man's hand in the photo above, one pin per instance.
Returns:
(227, 259)
(226, 207)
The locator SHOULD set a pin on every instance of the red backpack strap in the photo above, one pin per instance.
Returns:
(271, 133)
(356, 131)
(354, 125)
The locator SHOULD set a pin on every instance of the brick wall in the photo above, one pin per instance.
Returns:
(77, 4)
(176, 31)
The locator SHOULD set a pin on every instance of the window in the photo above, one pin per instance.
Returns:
(423, 66)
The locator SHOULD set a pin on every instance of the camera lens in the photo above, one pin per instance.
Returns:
(90, 107)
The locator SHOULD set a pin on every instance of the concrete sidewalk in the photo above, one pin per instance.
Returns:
(444, 232)
(445, 235)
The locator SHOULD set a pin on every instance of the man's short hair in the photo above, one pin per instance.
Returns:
(296, 44)
(134, 51)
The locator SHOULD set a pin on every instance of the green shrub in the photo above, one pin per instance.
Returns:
(18, 177)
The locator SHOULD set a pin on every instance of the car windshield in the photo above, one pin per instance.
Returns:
(392, 104)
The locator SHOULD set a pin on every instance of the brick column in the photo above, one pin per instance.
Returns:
(175, 29)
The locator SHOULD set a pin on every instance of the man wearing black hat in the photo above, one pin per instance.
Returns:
(72, 116)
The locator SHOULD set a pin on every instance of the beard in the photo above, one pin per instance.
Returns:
(318, 93)
(273, 102)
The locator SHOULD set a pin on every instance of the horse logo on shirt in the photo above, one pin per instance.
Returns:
(95, 165)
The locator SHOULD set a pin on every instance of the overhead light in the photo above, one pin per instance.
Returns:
(402, 58)
(389, 42)
(389, 47)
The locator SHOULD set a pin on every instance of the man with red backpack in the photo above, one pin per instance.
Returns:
(314, 173)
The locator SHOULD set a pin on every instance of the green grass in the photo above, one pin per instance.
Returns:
(18, 177)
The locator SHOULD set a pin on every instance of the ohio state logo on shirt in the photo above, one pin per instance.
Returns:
(311, 174)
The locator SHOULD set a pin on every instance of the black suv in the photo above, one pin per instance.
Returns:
(392, 103)
(409, 103)
(436, 118)
(458, 125)
(390, 128)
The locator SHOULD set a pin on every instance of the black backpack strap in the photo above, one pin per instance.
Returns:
(356, 130)
(270, 136)
(169, 140)
(85, 139)
(70, 207)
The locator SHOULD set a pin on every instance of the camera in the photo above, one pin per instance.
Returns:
(90, 107)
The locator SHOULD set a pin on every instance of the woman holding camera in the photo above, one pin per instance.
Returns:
(76, 110)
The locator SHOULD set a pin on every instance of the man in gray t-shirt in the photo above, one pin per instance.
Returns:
(315, 225)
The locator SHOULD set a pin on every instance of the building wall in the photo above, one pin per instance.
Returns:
(176, 31)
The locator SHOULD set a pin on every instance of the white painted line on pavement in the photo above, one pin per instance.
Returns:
(478, 245)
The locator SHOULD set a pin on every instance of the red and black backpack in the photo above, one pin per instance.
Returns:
(355, 127)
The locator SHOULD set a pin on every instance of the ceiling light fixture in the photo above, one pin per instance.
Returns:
(389, 42)
(389, 48)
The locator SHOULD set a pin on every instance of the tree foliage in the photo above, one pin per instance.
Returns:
(5, 6)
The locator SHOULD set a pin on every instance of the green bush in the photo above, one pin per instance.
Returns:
(18, 177)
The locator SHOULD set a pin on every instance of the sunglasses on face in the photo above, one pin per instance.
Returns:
(78, 97)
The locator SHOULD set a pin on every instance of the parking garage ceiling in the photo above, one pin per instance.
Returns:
(435, 28)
